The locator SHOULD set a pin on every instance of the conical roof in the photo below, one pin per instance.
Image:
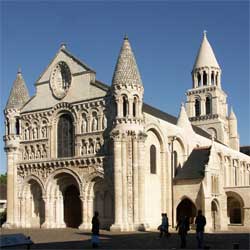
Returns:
(232, 115)
(19, 94)
(183, 120)
(205, 56)
(126, 70)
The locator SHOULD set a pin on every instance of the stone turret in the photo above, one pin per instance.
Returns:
(233, 131)
(183, 120)
(127, 88)
(18, 97)
(129, 138)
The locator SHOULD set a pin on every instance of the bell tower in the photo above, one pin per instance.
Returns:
(206, 102)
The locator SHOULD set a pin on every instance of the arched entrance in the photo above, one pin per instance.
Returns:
(103, 203)
(72, 207)
(215, 215)
(32, 205)
(186, 208)
(64, 199)
(235, 210)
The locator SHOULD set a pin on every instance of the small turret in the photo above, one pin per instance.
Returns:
(233, 130)
(183, 120)
(19, 94)
(206, 70)
(127, 87)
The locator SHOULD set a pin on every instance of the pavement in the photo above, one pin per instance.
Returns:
(71, 238)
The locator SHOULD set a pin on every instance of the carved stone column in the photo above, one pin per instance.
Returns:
(84, 207)
(124, 185)
(141, 169)
(46, 223)
(117, 182)
(135, 182)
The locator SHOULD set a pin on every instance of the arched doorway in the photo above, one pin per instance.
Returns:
(32, 205)
(103, 203)
(234, 209)
(215, 215)
(72, 207)
(186, 208)
(64, 198)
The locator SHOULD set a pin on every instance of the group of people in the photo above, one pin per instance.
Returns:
(183, 226)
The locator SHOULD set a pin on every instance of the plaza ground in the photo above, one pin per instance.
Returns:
(71, 238)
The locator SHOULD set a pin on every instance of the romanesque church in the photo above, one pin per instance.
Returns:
(79, 145)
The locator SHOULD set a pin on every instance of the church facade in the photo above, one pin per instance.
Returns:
(79, 146)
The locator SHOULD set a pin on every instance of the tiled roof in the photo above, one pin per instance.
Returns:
(194, 167)
(126, 70)
(19, 94)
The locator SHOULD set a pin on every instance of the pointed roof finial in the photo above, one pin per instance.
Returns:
(232, 115)
(125, 36)
(126, 70)
(63, 45)
(19, 71)
(205, 56)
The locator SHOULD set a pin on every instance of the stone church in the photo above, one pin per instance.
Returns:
(79, 145)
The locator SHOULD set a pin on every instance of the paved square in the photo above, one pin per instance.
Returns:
(76, 239)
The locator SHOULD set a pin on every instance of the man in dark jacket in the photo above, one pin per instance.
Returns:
(95, 230)
(200, 222)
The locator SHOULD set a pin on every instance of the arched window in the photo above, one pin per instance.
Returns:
(217, 79)
(199, 79)
(125, 106)
(212, 78)
(17, 126)
(197, 107)
(204, 78)
(152, 159)
(65, 136)
(208, 105)
(134, 106)
(7, 126)
(175, 160)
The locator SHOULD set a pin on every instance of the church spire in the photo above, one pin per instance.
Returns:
(126, 70)
(183, 120)
(19, 94)
(206, 70)
(205, 56)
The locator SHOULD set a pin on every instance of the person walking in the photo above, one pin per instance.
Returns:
(95, 230)
(164, 225)
(182, 230)
(200, 222)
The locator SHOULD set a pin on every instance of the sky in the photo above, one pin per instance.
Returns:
(165, 37)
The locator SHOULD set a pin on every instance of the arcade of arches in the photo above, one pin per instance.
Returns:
(235, 210)
(61, 203)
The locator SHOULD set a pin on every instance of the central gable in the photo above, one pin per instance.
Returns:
(66, 79)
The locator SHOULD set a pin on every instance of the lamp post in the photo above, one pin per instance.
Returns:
(172, 175)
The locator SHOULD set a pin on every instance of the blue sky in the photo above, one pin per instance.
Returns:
(165, 37)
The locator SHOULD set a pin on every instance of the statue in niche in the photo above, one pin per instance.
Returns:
(38, 152)
(35, 134)
(44, 132)
(44, 152)
(84, 148)
(26, 134)
(84, 125)
(98, 147)
(26, 154)
(94, 124)
(32, 154)
(104, 122)
(91, 148)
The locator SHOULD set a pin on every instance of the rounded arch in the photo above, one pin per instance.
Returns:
(215, 214)
(63, 107)
(29, 178)
(63, 171)
(157, 131)
(235, 205)
(186, 207)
